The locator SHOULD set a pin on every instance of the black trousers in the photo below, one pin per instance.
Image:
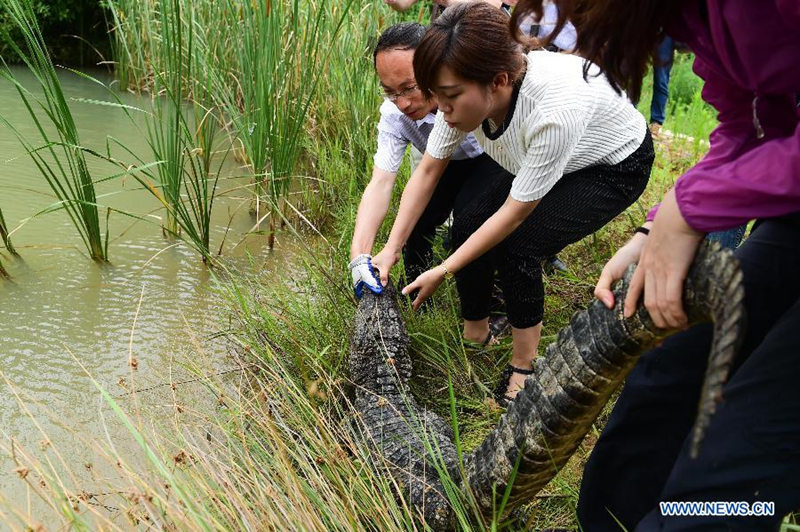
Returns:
(461, 181)
(752, 448)
(579, 204)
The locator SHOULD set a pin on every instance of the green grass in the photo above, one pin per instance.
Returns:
(687, 113)
(285, 443)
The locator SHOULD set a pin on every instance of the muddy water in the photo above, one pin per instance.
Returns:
(62, 315)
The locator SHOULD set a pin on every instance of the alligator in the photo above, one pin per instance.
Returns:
(560, 401)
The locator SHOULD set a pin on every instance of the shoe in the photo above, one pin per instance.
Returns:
(505, 380)
(655, 129)
(554, 265)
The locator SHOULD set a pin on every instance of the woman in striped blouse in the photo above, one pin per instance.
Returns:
(579, 151)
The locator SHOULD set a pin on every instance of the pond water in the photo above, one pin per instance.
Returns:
(63, 315)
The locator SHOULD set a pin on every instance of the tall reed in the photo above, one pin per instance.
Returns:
(181, 133)
(280, 50)
(257, 64)
(347, 107)
(61, 159)
(166, 127)
(345, 112)
(131, 41)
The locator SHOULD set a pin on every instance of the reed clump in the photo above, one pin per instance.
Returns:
(182, 132)
(257, 67)
(60, 157)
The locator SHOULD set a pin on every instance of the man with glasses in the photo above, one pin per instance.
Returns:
(407, 118)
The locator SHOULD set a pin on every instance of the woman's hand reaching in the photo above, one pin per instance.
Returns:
(426, 283)
(384, 261)
(663, 265)
(615, 268)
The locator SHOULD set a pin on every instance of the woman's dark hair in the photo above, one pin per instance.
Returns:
(473, 40)
(620, 36)
(402, 36)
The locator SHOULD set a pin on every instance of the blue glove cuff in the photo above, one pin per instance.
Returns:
(379, 289)
(358, 288)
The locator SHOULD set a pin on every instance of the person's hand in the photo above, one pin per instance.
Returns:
(384, 261)
(615, 268)
(364, 275)
(663, 264)
(426, 283)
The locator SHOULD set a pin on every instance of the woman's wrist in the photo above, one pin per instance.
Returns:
(640, 235)
(447, 273)
(642, 231)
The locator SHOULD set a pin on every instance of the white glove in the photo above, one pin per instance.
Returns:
(364, 275)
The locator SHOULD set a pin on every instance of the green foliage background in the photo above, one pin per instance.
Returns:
(75, 30)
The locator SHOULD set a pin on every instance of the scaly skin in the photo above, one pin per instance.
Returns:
(380, 368)
(559, 403)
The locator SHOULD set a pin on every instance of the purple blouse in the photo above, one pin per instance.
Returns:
(748, 53)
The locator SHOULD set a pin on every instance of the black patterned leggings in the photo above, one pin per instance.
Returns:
(578, 205)
(462, 180)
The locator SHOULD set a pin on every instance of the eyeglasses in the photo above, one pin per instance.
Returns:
(405, 93)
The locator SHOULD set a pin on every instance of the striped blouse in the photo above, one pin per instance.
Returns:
(559, 123)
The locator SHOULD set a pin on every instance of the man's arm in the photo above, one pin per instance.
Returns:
(415, 198)
(371, 211)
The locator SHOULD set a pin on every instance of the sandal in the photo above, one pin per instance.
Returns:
(505, 380)
(491, 340)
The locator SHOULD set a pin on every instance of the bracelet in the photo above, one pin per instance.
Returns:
(447, 273)
(643, 230)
